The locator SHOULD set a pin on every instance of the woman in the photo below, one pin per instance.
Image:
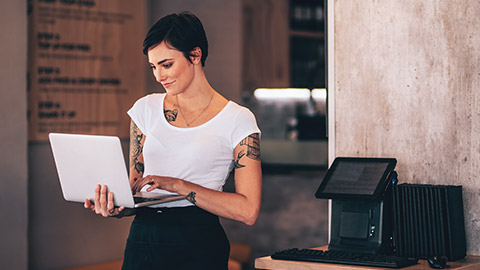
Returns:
(186, 141)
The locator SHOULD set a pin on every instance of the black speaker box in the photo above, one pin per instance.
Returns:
(428, 221)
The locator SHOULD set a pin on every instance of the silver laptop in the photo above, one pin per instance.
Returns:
(83, 161)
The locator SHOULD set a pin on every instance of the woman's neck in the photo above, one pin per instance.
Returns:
(196, 95)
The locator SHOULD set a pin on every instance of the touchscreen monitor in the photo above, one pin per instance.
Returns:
(362, 178)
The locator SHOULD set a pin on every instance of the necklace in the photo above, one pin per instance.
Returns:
(204, 109)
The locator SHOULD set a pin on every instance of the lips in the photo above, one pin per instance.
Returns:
(166, 85)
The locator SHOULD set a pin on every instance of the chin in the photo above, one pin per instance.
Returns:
(169, 90)
(171, 93)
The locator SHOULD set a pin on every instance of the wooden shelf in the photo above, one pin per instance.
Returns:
(469, 262)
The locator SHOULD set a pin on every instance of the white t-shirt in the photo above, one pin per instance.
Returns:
(201, 154)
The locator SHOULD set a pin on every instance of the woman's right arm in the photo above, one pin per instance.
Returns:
(137, 139)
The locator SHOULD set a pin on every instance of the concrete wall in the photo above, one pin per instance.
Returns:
(222, 23)
(13, 135)
(407, 79)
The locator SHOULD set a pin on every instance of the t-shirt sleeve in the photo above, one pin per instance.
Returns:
(245, 125)
(138, 114)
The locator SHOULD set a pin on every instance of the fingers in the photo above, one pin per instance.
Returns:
(140, 183)
(157, 182)
(88, 204)
(97, 199)
(152, 186)
(103, 196)
(136, 184)
(103, 202)
(110, 204)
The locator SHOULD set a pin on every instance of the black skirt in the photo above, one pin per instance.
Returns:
(176, 238)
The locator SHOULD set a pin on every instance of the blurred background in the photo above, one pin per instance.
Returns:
(405, 86)
(266, 55)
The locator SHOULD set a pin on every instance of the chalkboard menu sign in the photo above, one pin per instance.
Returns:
(85, 65)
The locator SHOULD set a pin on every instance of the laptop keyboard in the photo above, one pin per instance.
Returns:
(142, 199)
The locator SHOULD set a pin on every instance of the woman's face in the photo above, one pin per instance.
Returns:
(170, 68)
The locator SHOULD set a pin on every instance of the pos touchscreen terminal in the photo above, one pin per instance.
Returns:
(361, 213)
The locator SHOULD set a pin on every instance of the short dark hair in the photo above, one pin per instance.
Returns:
(183, 31)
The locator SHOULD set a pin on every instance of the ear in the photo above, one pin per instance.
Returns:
(196, 55)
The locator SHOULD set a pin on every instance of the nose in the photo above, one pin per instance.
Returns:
(159, 76)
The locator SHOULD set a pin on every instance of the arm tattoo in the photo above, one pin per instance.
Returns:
(136, 149)
(171, 115)
(253, 150)
(191, 198)
(236, 163)
(253, 146)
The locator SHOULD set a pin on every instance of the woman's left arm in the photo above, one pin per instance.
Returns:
(243, 205)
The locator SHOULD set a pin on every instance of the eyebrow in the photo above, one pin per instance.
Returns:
(163, 61)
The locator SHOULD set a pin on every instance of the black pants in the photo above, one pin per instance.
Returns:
(176, 238)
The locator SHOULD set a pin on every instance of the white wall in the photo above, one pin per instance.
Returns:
(13, 137)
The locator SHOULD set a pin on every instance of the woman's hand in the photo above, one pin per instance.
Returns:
(103, 203)
(161, 182)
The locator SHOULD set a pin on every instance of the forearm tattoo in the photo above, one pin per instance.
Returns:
(136, 149)
(191, 198)
(253, 149)
(171, 115)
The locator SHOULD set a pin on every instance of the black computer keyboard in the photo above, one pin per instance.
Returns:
(344, 257)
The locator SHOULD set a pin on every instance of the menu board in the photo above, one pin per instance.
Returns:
(85, 65)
